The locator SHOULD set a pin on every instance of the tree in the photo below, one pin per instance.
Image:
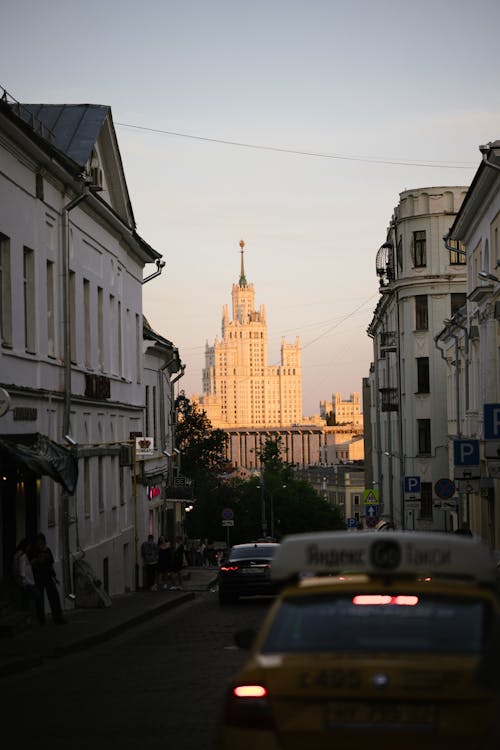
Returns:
(203, 449)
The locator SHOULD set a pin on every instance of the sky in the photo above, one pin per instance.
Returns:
(293, 125)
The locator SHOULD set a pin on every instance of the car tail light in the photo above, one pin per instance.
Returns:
(248, 707)
(378, 599)
(229, 568)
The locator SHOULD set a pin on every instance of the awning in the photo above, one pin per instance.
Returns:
(43, 456)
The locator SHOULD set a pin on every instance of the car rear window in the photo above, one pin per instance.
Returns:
(345, 623)
(252, 552)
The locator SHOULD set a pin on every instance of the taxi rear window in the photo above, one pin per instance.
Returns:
(388, 623)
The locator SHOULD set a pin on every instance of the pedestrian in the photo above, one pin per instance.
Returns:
(177, 564)
(42, 564)
(164, 562)
(25, 590)
(149, 552)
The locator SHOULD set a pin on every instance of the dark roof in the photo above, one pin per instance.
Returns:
(75, 127)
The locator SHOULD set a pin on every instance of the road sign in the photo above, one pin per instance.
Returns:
(444, 488)
(492, 449)
(228, 522)
(491, 416)
(351, 523)
(227, 514)
(412, 505)
(445, 504)
(370, 497)
(466, 452)
(371, 511)
(371, 523)
(412, 488)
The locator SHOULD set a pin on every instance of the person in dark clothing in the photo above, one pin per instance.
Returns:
(164, 561)
(177, 564)
(42, 564)
(149, 552)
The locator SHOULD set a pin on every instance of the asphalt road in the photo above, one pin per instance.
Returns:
(157, 686)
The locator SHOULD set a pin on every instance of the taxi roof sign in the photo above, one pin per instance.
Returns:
(387, 552)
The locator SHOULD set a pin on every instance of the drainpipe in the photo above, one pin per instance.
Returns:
(66, 308)
(66, 429)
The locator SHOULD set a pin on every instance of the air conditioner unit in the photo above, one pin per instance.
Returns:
(96, 178)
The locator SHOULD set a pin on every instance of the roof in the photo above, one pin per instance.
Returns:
(75, 127)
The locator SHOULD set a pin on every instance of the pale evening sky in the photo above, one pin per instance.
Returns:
(378, 96)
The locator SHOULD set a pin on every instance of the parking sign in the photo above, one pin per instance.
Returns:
(492, 421)
(412, 488)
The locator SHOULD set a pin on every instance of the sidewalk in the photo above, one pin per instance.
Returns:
(87, 627)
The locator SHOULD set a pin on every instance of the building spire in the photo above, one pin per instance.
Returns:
(243, 281)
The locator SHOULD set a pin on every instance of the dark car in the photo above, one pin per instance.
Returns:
(246, 570)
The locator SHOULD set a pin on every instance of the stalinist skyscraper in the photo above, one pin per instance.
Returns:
(240, 389)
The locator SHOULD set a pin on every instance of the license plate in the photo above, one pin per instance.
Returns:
(380, 714)
(253, 571)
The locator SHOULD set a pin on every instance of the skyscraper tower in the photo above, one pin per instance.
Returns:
(240, 389)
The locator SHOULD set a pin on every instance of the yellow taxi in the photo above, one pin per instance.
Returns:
(386, 640)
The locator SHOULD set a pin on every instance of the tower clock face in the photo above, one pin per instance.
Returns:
(4, 402)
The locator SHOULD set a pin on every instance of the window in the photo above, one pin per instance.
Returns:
(5, 292)
(457, 300)
(422, 374)
(421, 313)
(419, 249)
(426, 500)
(51, 347)
(72, 314)
(86, 322)
(424, 436)
(457, 253)
(100, 329)
(330, 623)
(29, 299)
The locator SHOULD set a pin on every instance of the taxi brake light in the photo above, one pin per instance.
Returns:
(250, 691)
(380, 599)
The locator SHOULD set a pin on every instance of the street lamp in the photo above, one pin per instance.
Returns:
(263, 506)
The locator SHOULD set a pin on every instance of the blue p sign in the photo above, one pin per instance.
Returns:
(412, 486)
(492, 421)
(466, 452)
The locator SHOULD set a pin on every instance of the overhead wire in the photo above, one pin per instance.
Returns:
(297, 152)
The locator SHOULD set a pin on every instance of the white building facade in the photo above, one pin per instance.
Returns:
(422, 283)
(471, 346)
(71, 354)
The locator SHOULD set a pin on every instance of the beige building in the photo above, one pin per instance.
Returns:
(343, 412)
(240, 388)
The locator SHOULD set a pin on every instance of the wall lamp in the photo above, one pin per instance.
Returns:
(160, 265)
(70, 440)
(488, 276)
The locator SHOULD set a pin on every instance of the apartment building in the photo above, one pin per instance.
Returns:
(240, 388)
(422, 284)
(470, 341)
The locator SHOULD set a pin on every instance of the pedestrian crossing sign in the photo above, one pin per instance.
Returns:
(370, 497)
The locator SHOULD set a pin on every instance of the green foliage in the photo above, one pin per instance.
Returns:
(203, 449)
(291, 506)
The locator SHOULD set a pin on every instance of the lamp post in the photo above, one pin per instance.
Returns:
(263, 506)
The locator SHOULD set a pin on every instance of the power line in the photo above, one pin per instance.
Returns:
(317, 154)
